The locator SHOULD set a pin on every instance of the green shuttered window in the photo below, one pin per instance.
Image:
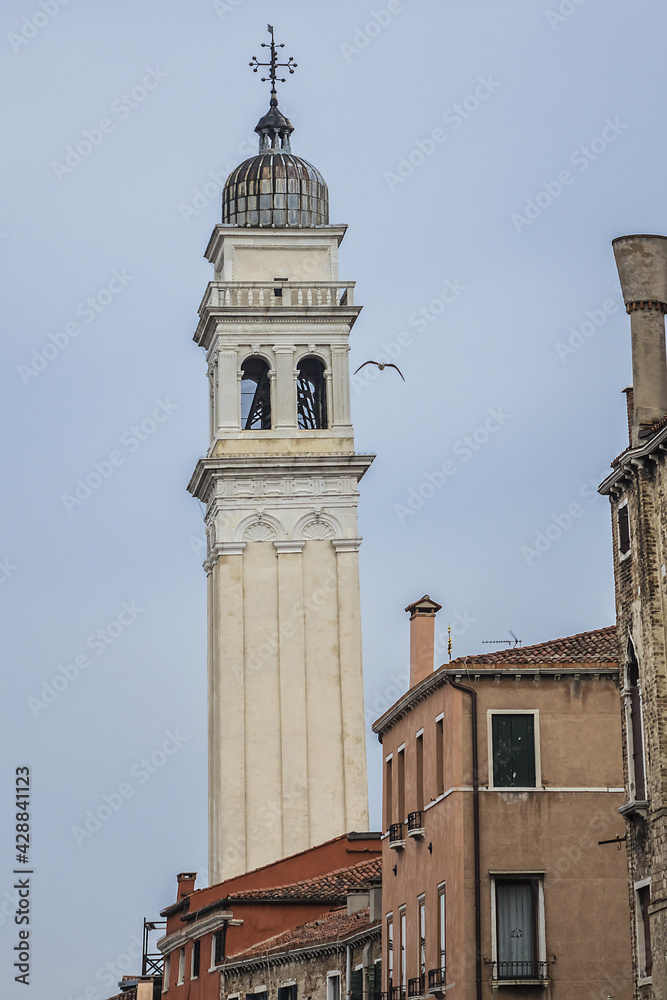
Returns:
(513, 751)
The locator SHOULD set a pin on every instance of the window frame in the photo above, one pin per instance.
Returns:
(421, 937)
(442, 926)
(390, 951)
(400, 784)
(334, 975)
(419, 769)
(535, 712)
(166, 967)
(181, 967)
(402, 949)
(540, 925)
(440, 755)
(622, 510)
(630, 731)
(195, 954)
(269, 374)
(325, 403)
(388, 790)
(640, 935)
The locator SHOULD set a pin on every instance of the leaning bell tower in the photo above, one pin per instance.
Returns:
(287, 757)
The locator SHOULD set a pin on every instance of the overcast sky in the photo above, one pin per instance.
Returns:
(484, 155)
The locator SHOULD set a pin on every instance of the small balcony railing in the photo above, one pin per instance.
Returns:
(396, 837)
(521, 972)
(436, 981)
(416, 986)
(277, 294)
(416, 824)
(397, 993)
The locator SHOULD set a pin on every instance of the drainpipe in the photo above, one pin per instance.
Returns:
(475, 812)
(348, 972)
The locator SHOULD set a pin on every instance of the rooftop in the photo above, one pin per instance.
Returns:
(332, 927)
(332, 887)
(598, 646)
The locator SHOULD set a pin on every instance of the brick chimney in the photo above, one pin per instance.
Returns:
(186, 884)
(422, 638)
(642, 269)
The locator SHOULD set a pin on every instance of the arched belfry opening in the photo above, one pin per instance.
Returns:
(311, 395)
(255, 395)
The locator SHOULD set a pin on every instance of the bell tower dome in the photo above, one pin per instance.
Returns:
(287, 755)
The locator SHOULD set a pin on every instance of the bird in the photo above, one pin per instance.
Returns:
(381, 365)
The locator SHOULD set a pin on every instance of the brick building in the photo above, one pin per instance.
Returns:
(211, 927)
(502, 772)
(637, 490)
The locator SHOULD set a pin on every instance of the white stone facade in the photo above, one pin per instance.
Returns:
(287, 758)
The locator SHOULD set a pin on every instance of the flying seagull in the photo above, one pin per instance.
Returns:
(381, 365)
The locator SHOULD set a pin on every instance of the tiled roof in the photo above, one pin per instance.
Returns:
(329, 928)
(598, 646)
(332, 887)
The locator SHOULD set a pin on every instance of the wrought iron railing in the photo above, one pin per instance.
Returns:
(395, 833)
(436, 980)
(415, 820)
(397, 993)
(416, 986)
(535, 971)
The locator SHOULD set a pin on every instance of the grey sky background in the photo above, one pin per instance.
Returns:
(551, 84)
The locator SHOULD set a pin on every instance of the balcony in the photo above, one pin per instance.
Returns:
(397, 993)
(416, 824)
(436, 982)
(278, 294)
(396, 837)
(416, 986)
(520, 974)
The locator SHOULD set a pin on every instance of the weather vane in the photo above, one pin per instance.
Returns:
(274, 65)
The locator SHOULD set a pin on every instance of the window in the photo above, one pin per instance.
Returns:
(333, 985)
(357, 983)
(375, 980)
(519, 945)
(390, 952)
(401, 950)
(623, 525)
(255, 395)
(442, 911)
(643, 923)
(388, 806)
(420, 771)
(311, 395)
(287, 992)
(513, 749)
(422, 943)
(400, 761)
(181, 967)
(634, 726)
(439, 756)
(196, 951)
(165, 975)
(218, 950)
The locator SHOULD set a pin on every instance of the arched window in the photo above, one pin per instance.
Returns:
(255, 395)
(311, 395)
(635, 729)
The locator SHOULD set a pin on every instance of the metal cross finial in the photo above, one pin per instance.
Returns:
(273, 65)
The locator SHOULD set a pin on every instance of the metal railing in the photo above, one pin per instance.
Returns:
(535, 971)
(415, 820)
(436, 980)
(396, 833)
(416, 986)
(277, 294)
(397, 993)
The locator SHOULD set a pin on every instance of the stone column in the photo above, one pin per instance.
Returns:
(352, 683)
(341, 414)
(285, 394)
(227, 792)
(296, 819)
(228, 404)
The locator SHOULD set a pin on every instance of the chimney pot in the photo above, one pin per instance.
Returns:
(422, 637)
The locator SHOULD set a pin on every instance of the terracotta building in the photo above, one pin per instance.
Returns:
(211, 927)
(637, 490)
(502, 773)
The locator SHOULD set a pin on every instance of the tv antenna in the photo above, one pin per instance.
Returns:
(513, 642)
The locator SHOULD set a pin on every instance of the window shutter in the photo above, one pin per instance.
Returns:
(357, 985)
